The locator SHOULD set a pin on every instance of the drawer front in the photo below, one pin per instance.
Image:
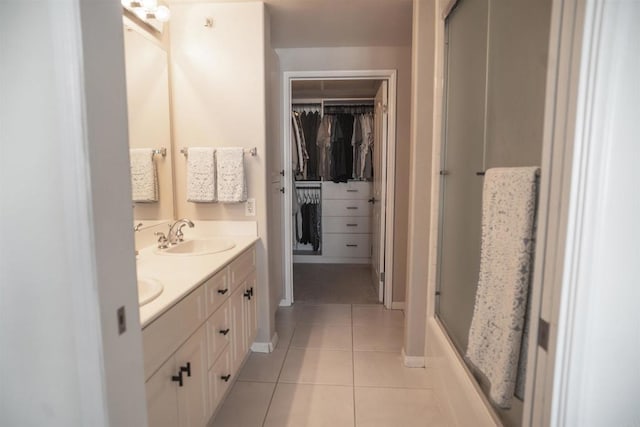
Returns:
(219, 379)
(218, 332)
(346, 224)
(164, 335)
(240, 268)
(346, 208)
(217, 289)
(346, 245)
(346, 191)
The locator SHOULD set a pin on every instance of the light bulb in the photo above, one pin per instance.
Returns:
(150, 5)
(163, 13)
(140, 13)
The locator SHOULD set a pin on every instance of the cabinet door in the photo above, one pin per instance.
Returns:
(193, 396)
(238, 340)
(162, 396)
(251, 307)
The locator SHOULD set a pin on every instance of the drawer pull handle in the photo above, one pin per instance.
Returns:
(352, 246)
(224, 331)
(352, 208)
(186, 369)
(223, 291)
(251, 291)
(352, 191)
(352, 225)
(247, 295)
(178, 378)
(225, 378)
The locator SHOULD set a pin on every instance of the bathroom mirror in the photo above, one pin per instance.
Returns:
(149, 116)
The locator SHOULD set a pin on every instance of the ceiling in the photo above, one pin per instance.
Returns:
(337, 23)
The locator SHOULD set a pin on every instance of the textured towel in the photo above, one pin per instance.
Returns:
(201, 185)
(144, 176)
(232, 184)
(495, 337)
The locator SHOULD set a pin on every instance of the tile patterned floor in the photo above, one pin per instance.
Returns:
(335, 365)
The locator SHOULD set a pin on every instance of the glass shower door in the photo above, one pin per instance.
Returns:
(463, 152)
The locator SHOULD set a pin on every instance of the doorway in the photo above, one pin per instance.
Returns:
(338, 224)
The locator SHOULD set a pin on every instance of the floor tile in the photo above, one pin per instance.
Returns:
(246, 405)
(285, 315)
(327, 314)
(264, 367)
(313, 366)
(302, 405)
(328, 337)
(334, 283)
(285, 333)
(375, 338)
(382, 369)
(377, 315)
(384, 407)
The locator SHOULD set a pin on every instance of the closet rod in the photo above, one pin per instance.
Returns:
(253, 151)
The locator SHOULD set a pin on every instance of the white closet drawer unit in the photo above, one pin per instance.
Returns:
(349, 191)
(346, 208)
(241, 267)
(346, 224)
(218, 332)
(217, 290)
(347, 245)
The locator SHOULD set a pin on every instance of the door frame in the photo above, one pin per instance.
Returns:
(389, 154)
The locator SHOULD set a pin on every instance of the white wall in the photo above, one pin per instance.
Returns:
(66, 263)
(363, 58)
(219, 100)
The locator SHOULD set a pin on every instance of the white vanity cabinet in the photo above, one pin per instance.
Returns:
(194, 350)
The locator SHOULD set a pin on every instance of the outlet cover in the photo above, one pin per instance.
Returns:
(250, 207)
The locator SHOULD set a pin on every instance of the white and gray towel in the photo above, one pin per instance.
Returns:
(144, 176)
(496, 333)
(201, 176)
(230, 175)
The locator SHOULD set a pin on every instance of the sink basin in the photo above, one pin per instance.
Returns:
(148, 289)
(199, 247)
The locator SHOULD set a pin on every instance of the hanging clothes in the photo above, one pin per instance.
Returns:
(341, 149)
(301, 149)
(366, 148)
(323, 147)
(356, 142)
(310, 121)
(307, 222)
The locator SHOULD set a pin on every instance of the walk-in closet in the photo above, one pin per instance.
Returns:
(335, 152)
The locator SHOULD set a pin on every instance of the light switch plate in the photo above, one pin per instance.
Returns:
(250, 207)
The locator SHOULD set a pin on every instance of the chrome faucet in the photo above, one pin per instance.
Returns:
(175, 235)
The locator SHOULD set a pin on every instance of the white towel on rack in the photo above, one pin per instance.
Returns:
(231, 180)
(144, 176)
(495, 337)
(201, 177)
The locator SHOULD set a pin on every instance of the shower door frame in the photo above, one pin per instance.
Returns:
(389, 156)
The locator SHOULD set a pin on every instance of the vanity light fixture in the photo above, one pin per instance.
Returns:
(148, 9)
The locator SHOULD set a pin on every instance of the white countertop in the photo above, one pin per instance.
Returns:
(181, 274)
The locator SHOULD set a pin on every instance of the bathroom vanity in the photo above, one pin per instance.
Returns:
(197, 333)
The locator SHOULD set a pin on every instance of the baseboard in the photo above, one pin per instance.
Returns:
(285, 303)
(265, 347)
(413, 361)
(397, 305)
(464, 400)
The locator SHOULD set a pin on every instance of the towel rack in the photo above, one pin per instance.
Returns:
(160, 151)
(253, 151)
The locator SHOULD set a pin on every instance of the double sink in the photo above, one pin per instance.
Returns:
(149, 288)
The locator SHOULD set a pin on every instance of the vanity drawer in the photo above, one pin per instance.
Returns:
(218, 332)
(346, 245)
(217, 289)
(346, 208)
(240, 268)
(164, 335)
(346, 191)
(346, 224)
(219, 379)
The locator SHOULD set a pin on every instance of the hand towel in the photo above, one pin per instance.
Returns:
(495, 337)
(201, 176)
(144, 176)
(230, 175)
